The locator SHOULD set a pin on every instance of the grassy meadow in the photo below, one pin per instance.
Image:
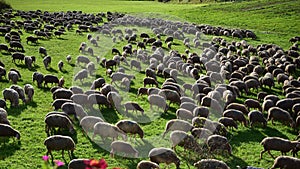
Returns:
(273, 22)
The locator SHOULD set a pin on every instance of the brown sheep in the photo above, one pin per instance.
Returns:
(236, 115)
(276, 113)
(257, 117)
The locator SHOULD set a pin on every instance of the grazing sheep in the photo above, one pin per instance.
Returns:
(164, 155)
(147, 165)
(110, 64)
(201, 111)
(59, 102)
(20, 92)
(215, 142)
(82, 74)
(88, 122)
(50, 79)
(28, 61)
(105, 130)
(12, 96)
(62, 93)
(13, 76)
(142, 91)
(236, 115)
(76, 89)
(80, 98)
(150, 73)
(47, 61)
(17, 56)
(38, 77)
(99, 99)
(213, 126)
(256, 116)
(3, 104)
(177, 124)
(184, 114)
(2, 72)
(98, 83)
(43, 51)
(75, 109)
(123, 147)
(228, 122)
(125, 83)
(3, 117)
(107, 88)
(285, 104)
(91, 68)
(118, 76)
(68, 58)
(170, 95)
(82, 59)
(159, 101)
(7, 131)
(210, 164)
(136, 64)
(286, 162)
(132, 127)
(201, 133)
(60, 65)
(150, 81)
(133, 106)
(59, 142)
(251, 103)
(56, 120)
(276, 113)
(239, 107)
(261, 95)
(184, 140)
(279, 144)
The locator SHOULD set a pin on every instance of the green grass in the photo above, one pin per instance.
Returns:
(273, 22)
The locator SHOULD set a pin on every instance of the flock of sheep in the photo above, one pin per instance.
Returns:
(245, 67)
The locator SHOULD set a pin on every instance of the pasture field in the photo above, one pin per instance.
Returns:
(273, 22)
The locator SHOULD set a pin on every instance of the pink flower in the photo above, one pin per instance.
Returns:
(45, 158)
(59, 163)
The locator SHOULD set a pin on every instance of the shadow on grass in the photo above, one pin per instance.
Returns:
(8, 148)
(52, 70)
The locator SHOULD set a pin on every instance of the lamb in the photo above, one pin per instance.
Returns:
(62, 94)
(98, 83)
(38, 77)
(286, 162)
(251, 103)
(12, 96)
(129, 126)
(215, 142)
(50, 79)
(228, 122)
(201, 133)
(60, 65)
(136, 64)
(28, 61)
(82, 59)
(13, 76)
(105, 130)
(20, 92)
(7, 131)
(47, 61)
(59, 142)
(73, 108)
(256, 116)
(123, 147)
(147, 165)
(82, 74)
(59, 102)
(99, 99)
(3, 117)
(164, 155)
(236, 115)
(276, 113)
(177, 124)
(60, 121)
(3, 104)
(133, 106)
(184, 140)
(279, 144)
(210, 164)
(159, 101)
(184, 114)
(43, 51)
(87, 123)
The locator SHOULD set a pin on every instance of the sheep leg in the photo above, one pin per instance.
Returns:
(62, 154)
(271, 154)
(261, 153)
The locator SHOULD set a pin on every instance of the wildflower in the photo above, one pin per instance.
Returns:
(59, 163)
(45, 158)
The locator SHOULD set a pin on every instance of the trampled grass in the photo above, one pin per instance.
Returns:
(273, 22)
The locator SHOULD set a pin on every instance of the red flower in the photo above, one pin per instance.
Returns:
(96, 164)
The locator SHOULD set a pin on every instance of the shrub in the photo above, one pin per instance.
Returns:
(4, 5)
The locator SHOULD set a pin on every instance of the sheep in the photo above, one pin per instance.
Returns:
(159, 101)
(59, 102)
(150, 81)
(125, 83)
(236, 115)
(201, 111)
(76, 89)
(285, 104)
(3, 117)
(123, 147)
(43, 51)
(7, 131)
(74, 108)
(59, 142)
(142, 91)
(91, 68)
(99, 99)
(164, 155)
(171, 95)
(239, 107)
(50, 79)
(184, 114)
(184, 140)
(251, 103)
(28, 61)
(17, 56)
(129, 126)
(147, 165)
(136, 64)
(82, 74)
(256, 116)
(38, 77)
(20, 92)
(60, 121)
(105, 130)
(2, 72)
(62, 94)
(215, 142)
(87, 123)
(3, 104)
(82, 59)
(107, 88)
(118, 76)
(279, 144)
(13, 76)
(274, 98)
(276, 113)
(12, 96)
(47, 61)
(228, 122)
(133, 106)
(150, 73)
(110, 64)
(201, 133)
(286, 162)
(78, 163)
(210, 164)
(177, 124)
(60, 65)
(98, 83)
(213, 126)
(81, 99)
